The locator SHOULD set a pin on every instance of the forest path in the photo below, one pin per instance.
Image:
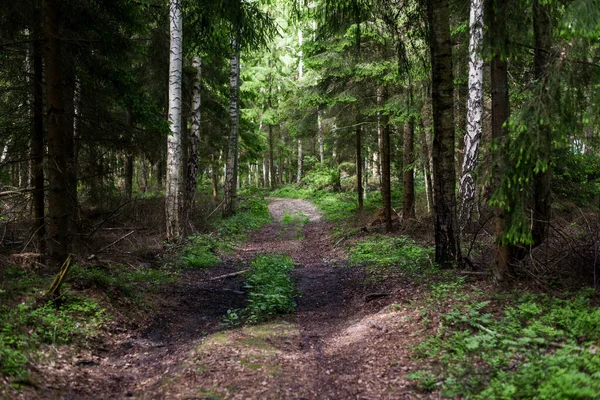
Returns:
(341, 343)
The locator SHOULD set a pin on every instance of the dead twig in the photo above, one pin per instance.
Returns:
(229, 275)
(110, 245)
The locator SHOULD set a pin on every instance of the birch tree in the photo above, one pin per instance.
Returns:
(174, 140)
(474, 114)
(300, 75)
(231, 169)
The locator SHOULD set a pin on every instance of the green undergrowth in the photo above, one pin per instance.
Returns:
(270, 290)
(205, 250)
(29, 329)
(523, 346)
(121, 280)
(382, 255)
(30, 326)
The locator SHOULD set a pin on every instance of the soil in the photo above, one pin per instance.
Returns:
(348, 339)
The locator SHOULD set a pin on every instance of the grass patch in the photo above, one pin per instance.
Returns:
(531, 347)
(382, 255)
(297, 217)
(270, 290)
(205, 250)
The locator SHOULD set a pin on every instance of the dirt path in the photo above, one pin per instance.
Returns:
(338, 345)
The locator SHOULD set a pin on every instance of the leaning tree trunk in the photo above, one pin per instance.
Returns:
(500, 113)
(231, 170)
(447, 247)
(37, 141)
(474, 114)
(542, 180)
(194, 142)
(58, 197)
(172, 201)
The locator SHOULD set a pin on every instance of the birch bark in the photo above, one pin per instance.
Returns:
(231, 169)
(474, 114)
(172, 197)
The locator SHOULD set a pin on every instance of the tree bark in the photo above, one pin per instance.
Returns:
(144, 174)
(474, 114)
(194, 143)
(542, 30)
(386, 187)
(359, 186)
(58, 197)
(299, 174)
(447, 246)
(427, 145)
(172, 203)
(231, 174)
(408, 178)
(320, 134)
(500, 113)
(37, 141)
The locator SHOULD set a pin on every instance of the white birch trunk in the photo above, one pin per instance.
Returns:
(194, 143)
(299, 176)
(174, 139)
(320, 135)
(300, 76)
(474, 114)
(231, 168)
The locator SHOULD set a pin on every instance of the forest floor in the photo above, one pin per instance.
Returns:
(348, 339)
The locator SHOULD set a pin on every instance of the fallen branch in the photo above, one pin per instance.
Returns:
(373, 296)
(110, 245)
(229, 275)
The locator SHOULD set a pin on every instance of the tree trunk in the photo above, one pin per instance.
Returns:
(474, 115)
(129, 176)
(231, 174)
(447, 247)
(194, 143)
(58, 197)
(320, 134)
(299, 175)
(500, 113)
(37, 142)
(172, 203)
(215, 176)
(383, 133)
(272, 166)
(427, 145)
(408, 178)
(144, 174)
(542, 30)
(359, 188)
(266, 170)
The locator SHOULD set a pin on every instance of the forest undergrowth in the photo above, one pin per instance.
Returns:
(474, 340)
